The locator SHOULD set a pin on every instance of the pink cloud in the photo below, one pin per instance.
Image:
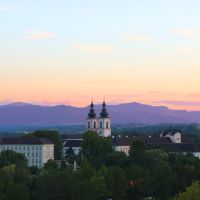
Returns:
(183, 49)
(105, 82)
(38, 35)
(180, 103)
(94, 48)
(190, 33)
(139, 38)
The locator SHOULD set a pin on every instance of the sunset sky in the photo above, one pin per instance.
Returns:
(69, 52)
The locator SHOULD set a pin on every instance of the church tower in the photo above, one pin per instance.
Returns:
(104, 122)
(92, 121)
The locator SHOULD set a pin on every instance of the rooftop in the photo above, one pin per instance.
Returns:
(23, 141)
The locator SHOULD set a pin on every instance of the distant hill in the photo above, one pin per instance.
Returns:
(23, 114)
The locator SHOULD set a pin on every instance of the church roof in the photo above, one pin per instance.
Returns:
(104, 113)
(92, 113)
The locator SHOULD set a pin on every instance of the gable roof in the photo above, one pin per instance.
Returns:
(24, 141)
(73, 143)
(128, 140)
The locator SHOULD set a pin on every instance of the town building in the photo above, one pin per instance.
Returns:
(101, 124)
(170, 140)
(36, 150)
(123, 144)
(73, 141)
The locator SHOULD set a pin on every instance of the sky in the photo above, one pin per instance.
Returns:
(70, 52)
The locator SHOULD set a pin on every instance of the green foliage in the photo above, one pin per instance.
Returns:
(94, 148)
(70, 156)
(17, 191)
(146, 174)
(51, 165)
(116, 182)
(161, 180)
(137, 153)
(10, 157)
(191, 193)
(59, 185)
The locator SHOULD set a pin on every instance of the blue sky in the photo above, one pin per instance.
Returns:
(123, 50)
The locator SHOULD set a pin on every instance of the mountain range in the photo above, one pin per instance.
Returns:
(25, 114)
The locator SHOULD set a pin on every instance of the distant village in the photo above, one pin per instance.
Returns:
(39, 151)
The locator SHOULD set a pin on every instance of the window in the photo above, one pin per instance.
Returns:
(95, 124)
(88, 124)
(101, 124)
(107, 124)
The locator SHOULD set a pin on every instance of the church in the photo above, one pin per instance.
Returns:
(171, 140)
(101, 125)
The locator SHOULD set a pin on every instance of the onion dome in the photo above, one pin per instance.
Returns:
(104, 112)
(92, 113)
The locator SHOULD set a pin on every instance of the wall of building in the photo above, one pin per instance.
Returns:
(36, 155)
(124, 149)
(75, 149)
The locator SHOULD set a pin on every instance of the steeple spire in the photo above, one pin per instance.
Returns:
(104, 113)
(92, 113)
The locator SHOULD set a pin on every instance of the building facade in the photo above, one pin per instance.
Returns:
(72, 141)
(102, 124)
(37, 151)
(171, 140)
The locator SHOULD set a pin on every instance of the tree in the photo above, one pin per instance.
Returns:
(17, 191)
(70, 156)
(161, 181)
(116, 158)
(21, 173)
(137, 153)
(192, 193)
(51, 165)
(6, 178)
(59, 185)
(137, 182)
(98, 187)
(11, 157)
(94, 148)
(116, 183)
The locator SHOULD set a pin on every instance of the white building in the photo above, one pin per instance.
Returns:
(171, 140)
(175, 136)
(74, 143)
(36, 150)
(102, 124)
